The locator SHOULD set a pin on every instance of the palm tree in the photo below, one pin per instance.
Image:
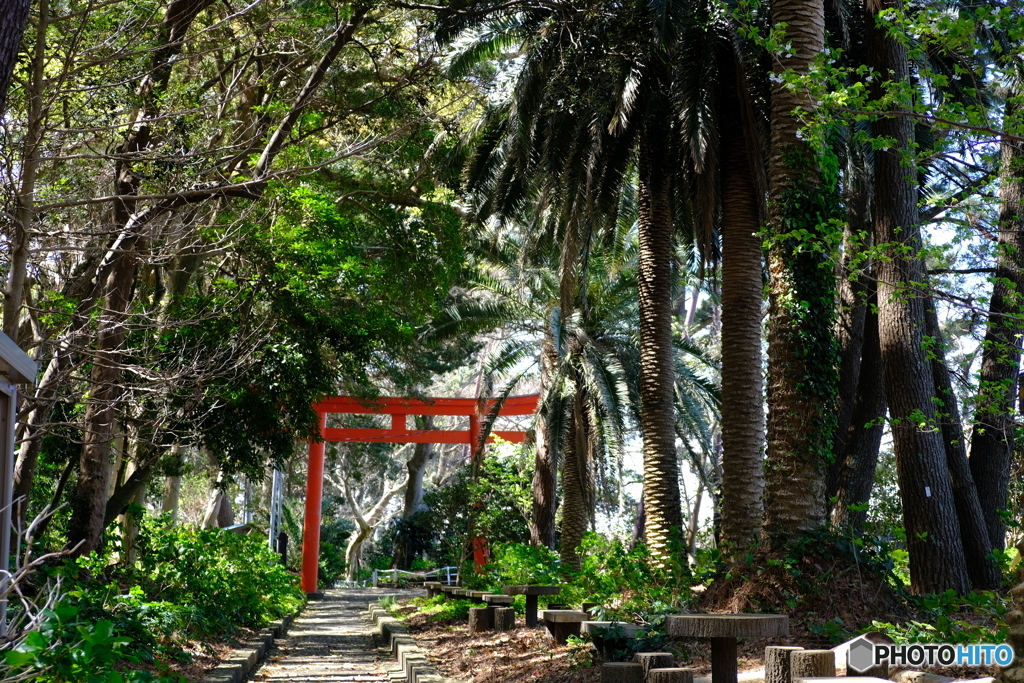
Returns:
(801, 345)
(589, 360)
(605, 90)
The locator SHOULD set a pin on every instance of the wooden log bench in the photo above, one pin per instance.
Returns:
(531, 593)
(433, 588)
(562, 623)
(723, 630)
(608, 636)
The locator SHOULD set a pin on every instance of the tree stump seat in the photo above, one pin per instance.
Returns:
(480, 619)
(723, 630)
(622, 672)
(669, 675)
(531, 593)
(651, 661)
(562, 623)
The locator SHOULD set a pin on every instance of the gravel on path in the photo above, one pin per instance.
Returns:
(330, 642)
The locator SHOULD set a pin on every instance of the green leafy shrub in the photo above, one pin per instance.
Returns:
(626, 582)
(521, 564)
(188, 582)
(948, 620)
(69, 649)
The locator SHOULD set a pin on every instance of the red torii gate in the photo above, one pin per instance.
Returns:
(398, 409)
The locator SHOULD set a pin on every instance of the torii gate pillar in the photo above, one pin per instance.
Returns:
(311, 520)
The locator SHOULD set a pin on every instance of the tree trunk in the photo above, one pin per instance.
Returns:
(13, 18)
(545, 495)
(801, 338)
(855, 288)
(85, 528)
(574, 506)
(929, 513)
(982, 570)
(24, 213)
(992, 438)
(172, 486)
(742, 288)
(853, 474)
(657, 372)
(417, 468)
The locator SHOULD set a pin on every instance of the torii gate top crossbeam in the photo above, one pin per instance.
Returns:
(398, 409)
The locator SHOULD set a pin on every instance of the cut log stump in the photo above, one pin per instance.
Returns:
(670, 675)
(812, 664)
(777, 663)
(504, 618)
(654, 660)
(480, 619)
(622, 672)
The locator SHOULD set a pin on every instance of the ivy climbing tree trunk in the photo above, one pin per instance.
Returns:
(801, 339)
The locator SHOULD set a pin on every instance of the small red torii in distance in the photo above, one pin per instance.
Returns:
(399, 409)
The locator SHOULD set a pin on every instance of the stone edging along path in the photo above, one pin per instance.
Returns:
(413, 666)
(237, 666)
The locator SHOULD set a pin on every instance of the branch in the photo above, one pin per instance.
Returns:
(936, 119)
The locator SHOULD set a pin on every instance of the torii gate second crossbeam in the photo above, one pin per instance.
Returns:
(399, 409)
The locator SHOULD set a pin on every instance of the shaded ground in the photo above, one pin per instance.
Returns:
(528, 655)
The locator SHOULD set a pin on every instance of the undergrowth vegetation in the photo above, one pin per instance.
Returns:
(116, 620)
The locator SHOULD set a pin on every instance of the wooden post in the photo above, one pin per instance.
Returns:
(654, 660)
(622, 672)
(812, 664)
(776, 663)
(723, 660)
(314, 499)
(531, 611)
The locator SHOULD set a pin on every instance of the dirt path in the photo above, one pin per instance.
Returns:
(330, 642)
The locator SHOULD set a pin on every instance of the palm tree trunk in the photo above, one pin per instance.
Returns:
(574, 498)
(657, 373)
(929, 514)
(801, 339)
(545, 495)
(992, 439)
(742, 384)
